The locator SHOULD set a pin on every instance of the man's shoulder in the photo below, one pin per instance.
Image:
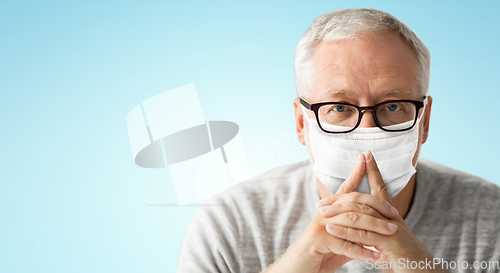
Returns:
(457, 184)
(460, 178)
(231, 228)
(275, 183)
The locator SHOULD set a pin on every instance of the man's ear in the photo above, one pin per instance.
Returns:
(426, 119)
(299, 120)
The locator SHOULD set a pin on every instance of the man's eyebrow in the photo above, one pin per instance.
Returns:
(395, 93)
(334, 92)
(398, 93)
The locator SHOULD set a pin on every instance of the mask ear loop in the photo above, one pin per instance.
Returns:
(422, 112)
(304, 114)
(418, 123)
(423, 108)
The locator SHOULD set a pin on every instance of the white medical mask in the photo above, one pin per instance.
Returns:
(336, 154)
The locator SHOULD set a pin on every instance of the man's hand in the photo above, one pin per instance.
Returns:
(318, 251)
(357, 227)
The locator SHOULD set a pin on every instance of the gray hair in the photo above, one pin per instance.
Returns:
(347, 24)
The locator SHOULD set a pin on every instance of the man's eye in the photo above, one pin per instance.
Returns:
(393, 107)
(339, 108)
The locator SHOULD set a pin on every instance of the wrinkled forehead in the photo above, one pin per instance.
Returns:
(370, 67)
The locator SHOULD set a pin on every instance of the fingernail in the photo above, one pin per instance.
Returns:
(391, 226)
(375, 254)
(323, 209)
(358, 160)
(331, 227)
(394, 210)
(322, 202)
(368, 155)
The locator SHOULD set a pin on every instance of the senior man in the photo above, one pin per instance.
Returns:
(362, 80)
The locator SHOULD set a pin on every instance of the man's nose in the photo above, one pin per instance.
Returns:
(367, 119)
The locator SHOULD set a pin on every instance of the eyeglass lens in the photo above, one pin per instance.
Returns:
(342, 117)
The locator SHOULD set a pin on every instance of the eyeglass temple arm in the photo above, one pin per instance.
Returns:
(306, 104)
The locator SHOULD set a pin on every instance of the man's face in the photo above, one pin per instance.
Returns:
(364, 71)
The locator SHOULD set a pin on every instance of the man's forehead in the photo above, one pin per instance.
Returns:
(370, 67)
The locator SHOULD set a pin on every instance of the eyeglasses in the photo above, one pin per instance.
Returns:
(391, 116)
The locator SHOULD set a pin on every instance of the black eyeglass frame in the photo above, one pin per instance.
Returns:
(315, 108)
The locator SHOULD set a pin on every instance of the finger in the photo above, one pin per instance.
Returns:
(328, 200)
(359, 203)
(339, 208)
(377, 185)
(363, 221)
(349, 249)
(357, 236)
(349, 185)
(354, 179)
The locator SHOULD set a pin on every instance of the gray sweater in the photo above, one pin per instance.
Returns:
(454, 214)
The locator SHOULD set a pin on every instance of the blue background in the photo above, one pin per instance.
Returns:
(71, 197)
